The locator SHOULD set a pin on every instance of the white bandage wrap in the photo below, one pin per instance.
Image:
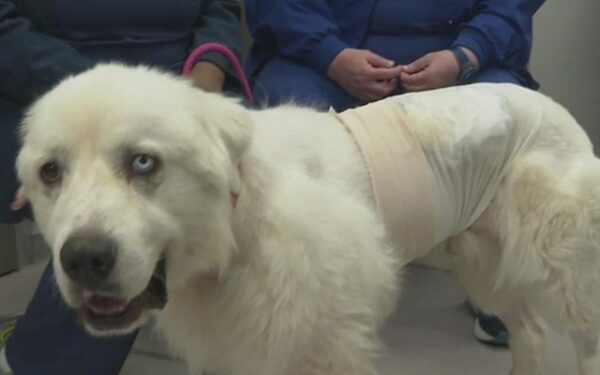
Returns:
(436, 159)
(399, 175)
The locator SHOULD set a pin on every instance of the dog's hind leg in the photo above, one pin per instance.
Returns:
(551, 222)
(476, 254)
(527, 337)
(588, 351)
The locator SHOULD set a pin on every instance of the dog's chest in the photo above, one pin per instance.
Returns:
(212, 331)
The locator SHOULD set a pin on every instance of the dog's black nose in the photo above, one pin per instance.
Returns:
(88, 258)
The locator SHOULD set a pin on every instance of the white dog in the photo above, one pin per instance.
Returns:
(267, 225)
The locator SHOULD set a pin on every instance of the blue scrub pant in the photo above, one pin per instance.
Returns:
(283, 80)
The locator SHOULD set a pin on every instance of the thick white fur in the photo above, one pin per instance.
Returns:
(298, 277)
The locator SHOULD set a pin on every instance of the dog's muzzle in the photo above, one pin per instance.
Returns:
(88, 259)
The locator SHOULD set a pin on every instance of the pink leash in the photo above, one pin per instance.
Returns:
(219, 48)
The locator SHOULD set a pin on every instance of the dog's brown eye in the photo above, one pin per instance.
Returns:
(50, 172)
(143, 164)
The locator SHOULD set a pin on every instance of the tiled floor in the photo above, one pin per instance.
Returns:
(430, 334)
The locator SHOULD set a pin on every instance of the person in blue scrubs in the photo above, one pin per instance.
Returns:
(41, 42)
(344, 53)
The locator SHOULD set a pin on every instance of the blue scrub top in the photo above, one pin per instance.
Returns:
(313, 32)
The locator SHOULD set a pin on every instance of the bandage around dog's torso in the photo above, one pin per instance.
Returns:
(399, 175)
(437, 159)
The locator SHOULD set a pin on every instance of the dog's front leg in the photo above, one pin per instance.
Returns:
(527, 339)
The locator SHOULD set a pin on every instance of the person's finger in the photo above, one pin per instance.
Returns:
(413, 88)
(385, 74)
(381, 89)
(418, 64)
(378, 61)
(414, 79)
(415, 82)
(417, 87)
(20, 200)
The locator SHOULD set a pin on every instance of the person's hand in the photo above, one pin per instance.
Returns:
(434, 70)
(364, 74)
(207, 76)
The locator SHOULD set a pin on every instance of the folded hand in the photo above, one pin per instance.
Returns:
(364, 74)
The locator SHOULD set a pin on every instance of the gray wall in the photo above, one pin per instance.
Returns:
(566, 58)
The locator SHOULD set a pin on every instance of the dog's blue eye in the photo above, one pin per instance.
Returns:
(143, 164)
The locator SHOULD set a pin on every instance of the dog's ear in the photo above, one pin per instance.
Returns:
(231, 121)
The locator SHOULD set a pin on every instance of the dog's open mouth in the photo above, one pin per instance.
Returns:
(104, 313)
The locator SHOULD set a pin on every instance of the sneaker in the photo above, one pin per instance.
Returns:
(490, 330)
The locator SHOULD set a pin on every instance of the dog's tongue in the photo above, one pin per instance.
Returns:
(106, 305)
